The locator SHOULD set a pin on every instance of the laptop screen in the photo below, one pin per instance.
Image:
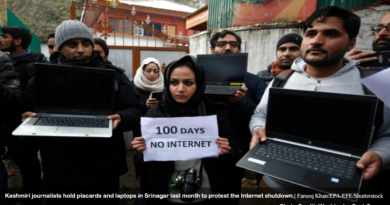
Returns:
(322, 118)
(73, 90)
(224, 69)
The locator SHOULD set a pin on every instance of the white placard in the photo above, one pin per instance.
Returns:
(180, 138)
(379, 84)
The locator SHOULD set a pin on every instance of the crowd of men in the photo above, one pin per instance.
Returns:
(71, 165)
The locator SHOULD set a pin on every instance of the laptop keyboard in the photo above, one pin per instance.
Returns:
(72, 122)
(325, 164)
(216, 87)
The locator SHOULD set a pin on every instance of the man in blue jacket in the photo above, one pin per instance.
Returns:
(244, 102)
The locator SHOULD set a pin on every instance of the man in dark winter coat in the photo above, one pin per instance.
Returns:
(24, 151)
(287, 50)
(16, 40)
(10, 102)
(244, 102)
(87, 165)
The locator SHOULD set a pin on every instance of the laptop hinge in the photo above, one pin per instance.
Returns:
(313, 147)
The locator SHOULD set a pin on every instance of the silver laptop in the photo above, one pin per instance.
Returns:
(225, 73)
(71, 101)
(314, 139)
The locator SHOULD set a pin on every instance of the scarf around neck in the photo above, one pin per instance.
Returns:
(190, 108)
(143, 83)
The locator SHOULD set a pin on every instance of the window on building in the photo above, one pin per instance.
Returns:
(126, 26)
(115, 24)
(138, 30)
(156, 26)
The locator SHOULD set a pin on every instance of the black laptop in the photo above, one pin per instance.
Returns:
(314, 139)
(225, 73)
(71, 101)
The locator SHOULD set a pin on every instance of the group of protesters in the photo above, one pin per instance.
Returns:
(92, 165)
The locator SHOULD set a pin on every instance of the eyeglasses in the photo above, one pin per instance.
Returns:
(378, 28)
(233, 44)
(51, 47)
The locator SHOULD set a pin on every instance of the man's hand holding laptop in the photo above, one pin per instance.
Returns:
(370, 162)
(238, 96)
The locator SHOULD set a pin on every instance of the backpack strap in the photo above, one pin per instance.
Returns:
(282, 78)
(365, 72)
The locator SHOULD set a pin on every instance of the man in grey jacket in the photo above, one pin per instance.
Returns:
(329, 33)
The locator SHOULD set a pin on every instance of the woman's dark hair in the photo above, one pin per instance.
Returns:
(222, 34)
(351, 22)
(190, 108)
(103, 44)
(18, 32)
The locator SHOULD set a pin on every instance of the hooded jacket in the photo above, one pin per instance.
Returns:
(25, 67)
(155, 176)
(346, 80)
(75, 161)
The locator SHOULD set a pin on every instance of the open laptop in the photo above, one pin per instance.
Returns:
(314, 139)
(71, 101)
(225, 73)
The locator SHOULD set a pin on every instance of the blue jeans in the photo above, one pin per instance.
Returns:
(3, 183)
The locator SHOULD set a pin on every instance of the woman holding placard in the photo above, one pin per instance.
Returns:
(149, 82)
(184, 85)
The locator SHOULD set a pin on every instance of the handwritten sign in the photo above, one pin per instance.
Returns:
(180, 138)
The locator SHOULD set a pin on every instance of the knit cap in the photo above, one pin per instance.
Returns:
(72, 29)
(291, 37)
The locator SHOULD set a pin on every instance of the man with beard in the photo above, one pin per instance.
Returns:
(380, 43)
(287, 50)
(243, 102)
(87, 165)
(24, 151)
(328, 34)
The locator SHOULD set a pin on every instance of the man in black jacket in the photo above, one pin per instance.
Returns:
(87, 165)
(10, 102)
(287, 50)
(244, 102)
(24, 151)
(16, 40)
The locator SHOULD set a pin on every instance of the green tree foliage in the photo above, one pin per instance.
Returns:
(41, 16)
(3, 13)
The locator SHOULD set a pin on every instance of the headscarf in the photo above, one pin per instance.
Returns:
(190, 108)
(143, 83)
